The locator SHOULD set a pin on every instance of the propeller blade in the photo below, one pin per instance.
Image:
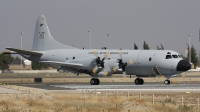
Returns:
(114, 69)
(120, 53)
(102, 64)
(131, 61)
(94, 70)
(106, 73)
(95, 53)
(106, 56)
(121, 64)
(124, 74)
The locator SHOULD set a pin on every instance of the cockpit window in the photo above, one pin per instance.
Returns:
(174, 56)
(179, 56)
(168, 53)
(168, 57)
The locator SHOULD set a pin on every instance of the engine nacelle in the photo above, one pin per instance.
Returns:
(110, 67)
(72, 70)
(102, 74)
(113, 65)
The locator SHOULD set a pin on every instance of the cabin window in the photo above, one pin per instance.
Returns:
(174, 56)
(73, 57)
(66, 58)
(168, 57)
(150, 59)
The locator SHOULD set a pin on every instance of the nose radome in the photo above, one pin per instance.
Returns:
(183, 65)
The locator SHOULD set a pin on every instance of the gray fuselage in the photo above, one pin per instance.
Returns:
(139, 62)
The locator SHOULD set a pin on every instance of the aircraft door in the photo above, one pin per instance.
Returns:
(173, 69)
(132, 68)
(147, 63)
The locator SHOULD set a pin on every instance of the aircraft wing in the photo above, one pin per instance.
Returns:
(25, 52)
(63, 63)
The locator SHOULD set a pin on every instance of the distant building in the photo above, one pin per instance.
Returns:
(26, 65)
(27, 62)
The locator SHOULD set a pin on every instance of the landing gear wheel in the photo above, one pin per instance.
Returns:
(167, 82)
(94, 81)
(97, 81)
(139, 81)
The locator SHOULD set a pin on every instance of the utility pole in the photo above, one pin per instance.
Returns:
(189, 49)
(90, 39)
(21, 48)
(199, 59)
(107, 41)
(199, 50)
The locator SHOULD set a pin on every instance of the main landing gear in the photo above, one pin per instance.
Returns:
(94, 81)
(139, 81)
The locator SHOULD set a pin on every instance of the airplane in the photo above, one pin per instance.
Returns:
(101, 62)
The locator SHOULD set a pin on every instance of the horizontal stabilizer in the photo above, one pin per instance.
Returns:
(63, 63)
(25, 52)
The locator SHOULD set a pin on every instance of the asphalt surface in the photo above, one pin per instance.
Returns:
(110, 85)
(77, 87)
(83, 87)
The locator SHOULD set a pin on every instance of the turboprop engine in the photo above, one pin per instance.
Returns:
(110, 67)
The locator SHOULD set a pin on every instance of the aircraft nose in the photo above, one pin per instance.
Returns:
(183, 65)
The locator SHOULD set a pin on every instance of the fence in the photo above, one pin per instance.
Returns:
(178, 98)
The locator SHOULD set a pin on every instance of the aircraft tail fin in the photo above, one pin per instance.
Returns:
(42, 38)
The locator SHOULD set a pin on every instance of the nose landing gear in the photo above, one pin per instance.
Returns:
(167, 82)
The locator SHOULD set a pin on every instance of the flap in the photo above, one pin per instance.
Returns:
(63, 63)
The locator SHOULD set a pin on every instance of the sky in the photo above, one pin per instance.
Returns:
(166, 22)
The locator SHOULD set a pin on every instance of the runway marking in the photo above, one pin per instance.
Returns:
(133, 87)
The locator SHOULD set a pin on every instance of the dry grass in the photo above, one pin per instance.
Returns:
(62, 102)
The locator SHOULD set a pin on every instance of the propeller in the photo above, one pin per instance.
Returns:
(99, 62)
(122, 65)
